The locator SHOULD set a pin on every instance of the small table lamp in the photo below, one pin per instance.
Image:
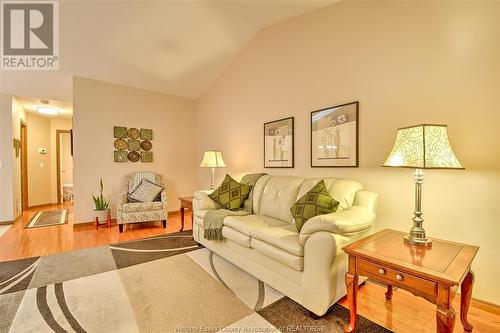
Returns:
(421, 147)
(212, 159)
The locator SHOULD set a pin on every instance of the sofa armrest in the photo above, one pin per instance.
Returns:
(203, 202)
(366, 199)
(353, 219)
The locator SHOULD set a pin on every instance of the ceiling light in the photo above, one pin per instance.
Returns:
(48, 110)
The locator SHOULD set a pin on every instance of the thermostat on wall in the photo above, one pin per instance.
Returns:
(42, 150)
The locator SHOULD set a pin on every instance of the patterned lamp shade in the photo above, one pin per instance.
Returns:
(422, 147)
(212, 159)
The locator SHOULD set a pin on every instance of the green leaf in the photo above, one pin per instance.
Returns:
(100, 203)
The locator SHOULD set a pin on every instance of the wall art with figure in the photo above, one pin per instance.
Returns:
(278, 144)
(334, 136)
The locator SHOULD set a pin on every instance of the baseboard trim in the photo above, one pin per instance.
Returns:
(6, 222)
(113, 221)
(486, 306)
(43, 205)
(90, 224)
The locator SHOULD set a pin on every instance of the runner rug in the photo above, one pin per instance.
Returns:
(160, 284)
(48, 218)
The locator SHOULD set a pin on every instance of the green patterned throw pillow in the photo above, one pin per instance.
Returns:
(230, 194)
(315, 202)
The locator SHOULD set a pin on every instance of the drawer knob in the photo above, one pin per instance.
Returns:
(381, 271)
(399, 277)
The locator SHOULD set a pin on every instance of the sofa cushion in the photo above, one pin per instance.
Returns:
(230, 194)
(316, 201)
(278, 195)
(142, 207)
(283, 257)
(236, 236)
(248, 223)
(257, 192)
(342, 190)
(284, 237)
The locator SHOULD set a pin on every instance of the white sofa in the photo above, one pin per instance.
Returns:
(309, 266)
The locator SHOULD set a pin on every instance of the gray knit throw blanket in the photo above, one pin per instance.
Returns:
(213, 221)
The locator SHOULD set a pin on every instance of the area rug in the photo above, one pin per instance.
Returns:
(160, 284)
(48, 218)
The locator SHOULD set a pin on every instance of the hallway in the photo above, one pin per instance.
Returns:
(18, 242)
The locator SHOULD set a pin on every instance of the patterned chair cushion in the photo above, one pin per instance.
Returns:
(142, 206)
(146, 192)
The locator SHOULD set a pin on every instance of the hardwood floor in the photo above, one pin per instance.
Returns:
(18, 242)
(405, 313)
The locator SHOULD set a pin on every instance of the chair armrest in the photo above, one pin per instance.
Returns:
(164, 199)
(203, 201)
(122, 199)
(353, 219)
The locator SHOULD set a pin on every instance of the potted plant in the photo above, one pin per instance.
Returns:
(101, 205)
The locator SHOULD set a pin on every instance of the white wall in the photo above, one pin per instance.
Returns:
(98, 106)
(407, 63)
(39, 165)
(42, 181)
(11, 114)
(6, 160)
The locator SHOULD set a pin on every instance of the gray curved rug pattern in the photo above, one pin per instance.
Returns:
(45, 311)
(159, 284)
(261, 287)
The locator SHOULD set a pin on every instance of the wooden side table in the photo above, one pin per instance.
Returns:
(186, 203)
(432, 273)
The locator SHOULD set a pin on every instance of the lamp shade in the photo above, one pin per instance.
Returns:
(423, 147)
(212, 159)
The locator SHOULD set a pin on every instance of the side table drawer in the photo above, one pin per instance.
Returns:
(186, 204)
(401, 279)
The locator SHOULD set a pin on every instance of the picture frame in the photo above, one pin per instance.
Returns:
(335, 136)
(279, 143)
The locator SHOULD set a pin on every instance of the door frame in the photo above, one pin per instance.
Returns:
(24, 165)
(58, 162)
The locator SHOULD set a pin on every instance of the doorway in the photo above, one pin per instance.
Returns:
(64, 166)
(24, 166)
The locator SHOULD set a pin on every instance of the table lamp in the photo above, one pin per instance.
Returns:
(212, 159)
(421, 147)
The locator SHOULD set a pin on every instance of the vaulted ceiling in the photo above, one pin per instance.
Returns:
(177, 47)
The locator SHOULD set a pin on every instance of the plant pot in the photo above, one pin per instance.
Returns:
(102, 215)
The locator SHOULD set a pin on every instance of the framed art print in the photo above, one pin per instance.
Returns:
(278, 144)
(334, 136)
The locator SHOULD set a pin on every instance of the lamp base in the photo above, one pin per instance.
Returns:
(417, 241)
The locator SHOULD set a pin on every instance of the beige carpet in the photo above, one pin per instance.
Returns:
(159, 284)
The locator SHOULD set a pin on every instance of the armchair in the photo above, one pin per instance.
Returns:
(139, 212)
